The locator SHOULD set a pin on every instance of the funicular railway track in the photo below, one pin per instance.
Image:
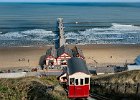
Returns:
(99, 97)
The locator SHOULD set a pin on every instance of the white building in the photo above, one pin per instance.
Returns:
(135, 66)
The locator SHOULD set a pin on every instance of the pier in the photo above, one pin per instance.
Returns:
(62, 40)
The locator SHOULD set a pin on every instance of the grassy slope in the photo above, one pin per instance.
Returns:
(123, 77)
(31, 88)
(119, 93)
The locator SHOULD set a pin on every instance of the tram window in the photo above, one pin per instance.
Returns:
(81, 81)
(71, 81)
(76, 81)
(86, 80)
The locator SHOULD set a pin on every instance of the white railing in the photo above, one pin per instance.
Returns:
(13, 75)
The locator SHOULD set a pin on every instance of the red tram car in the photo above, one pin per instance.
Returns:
(78, 78)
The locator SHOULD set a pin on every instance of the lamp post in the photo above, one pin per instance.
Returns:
(28, 64)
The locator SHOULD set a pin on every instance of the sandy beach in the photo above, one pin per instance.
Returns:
(95, 54)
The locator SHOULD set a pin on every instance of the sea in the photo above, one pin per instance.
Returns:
(35, 24)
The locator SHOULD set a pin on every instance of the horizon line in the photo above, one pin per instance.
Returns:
(68, 2)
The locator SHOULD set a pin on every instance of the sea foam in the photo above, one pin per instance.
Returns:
(35, 34)
(117, 33)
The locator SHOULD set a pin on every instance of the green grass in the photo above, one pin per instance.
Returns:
(31, 88)
(131, 77)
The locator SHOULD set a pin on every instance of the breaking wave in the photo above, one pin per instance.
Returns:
(35, 34)
(116, 34)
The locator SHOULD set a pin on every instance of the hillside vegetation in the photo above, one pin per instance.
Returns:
(122, 77)
(31, 88)
(119, 86)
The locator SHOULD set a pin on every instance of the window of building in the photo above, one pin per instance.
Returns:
(71, 81)
(76, 81)
(64, 79)
(81, 81)
(86, 80)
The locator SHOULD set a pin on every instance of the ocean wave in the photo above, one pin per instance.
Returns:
(114, 29)
(35, 34)
(125, 27)
(122, 32)
(117, 33)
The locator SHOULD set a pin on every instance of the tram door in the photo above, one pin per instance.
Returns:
(79, 87)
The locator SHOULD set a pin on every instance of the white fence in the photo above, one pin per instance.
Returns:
(13, 75)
